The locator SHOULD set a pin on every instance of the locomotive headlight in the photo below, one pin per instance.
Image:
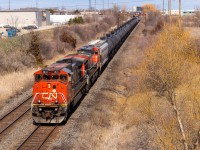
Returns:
(56, 109)
(39, 102)
(40, 109)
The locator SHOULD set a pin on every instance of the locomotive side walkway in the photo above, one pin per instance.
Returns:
(105, 118)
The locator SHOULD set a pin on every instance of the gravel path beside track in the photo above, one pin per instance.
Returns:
(104, 119)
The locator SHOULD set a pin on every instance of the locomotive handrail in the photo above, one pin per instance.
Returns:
(84, 75)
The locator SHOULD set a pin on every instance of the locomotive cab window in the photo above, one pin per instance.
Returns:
(46, 77)
(38, 77)
(63, 77)
(55, 77)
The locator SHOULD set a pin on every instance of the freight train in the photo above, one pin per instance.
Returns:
(59, 86)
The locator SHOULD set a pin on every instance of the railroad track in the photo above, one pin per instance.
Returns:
(37, 138)
(14, 115)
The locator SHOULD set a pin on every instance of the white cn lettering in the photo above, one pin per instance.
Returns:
(49, 96)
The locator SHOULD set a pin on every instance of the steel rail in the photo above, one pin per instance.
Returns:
(34, 132)
(14, 121)
(28, 137)
(15, 108)
(47, 137)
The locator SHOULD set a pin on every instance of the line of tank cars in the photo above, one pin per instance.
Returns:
(59, 86)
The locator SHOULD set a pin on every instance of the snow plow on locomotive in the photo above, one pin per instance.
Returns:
(59, 86)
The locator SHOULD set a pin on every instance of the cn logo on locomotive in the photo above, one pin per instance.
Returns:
(49, 96)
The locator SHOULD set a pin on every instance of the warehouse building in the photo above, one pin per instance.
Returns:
(61, 19)
(18, 18)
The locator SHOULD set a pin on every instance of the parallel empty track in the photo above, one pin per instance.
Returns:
(11, 117)
(37, 138)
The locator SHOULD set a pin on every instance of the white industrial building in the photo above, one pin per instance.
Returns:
(183, 12)
(61, 19)
(18, 18)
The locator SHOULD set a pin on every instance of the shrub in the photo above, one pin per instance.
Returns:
(68, 38)
(164, 61)
(34, 48)
(46, 49)
(76, 20)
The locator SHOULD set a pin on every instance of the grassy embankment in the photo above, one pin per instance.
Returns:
(18, 64)
(169, 95)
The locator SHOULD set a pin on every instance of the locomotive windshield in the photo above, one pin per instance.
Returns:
(55, 77)
(38, 77)
(87, 52)
(46, 77)
(62, 77)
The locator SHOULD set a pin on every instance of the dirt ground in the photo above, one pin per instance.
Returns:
(107, 118)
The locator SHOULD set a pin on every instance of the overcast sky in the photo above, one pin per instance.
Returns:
(72, 4)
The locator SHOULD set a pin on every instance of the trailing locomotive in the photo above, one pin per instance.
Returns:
(59, 86)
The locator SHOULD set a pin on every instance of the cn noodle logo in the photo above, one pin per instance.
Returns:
(49, 96)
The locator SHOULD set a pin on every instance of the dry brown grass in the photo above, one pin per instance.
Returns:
(15, 83)
(172, 69)
(14, 58)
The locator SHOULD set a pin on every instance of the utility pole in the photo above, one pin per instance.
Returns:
(163, 6)
(180, 8)
(36, 2)
(9, 4)
(103, 5)
(89, 4)
(95, 13)
(170, 5)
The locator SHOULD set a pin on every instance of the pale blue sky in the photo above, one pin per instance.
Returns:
(72, 4)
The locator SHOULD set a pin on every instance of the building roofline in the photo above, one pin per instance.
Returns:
(21, 11)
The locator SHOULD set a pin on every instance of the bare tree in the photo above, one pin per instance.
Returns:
(164, 69)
